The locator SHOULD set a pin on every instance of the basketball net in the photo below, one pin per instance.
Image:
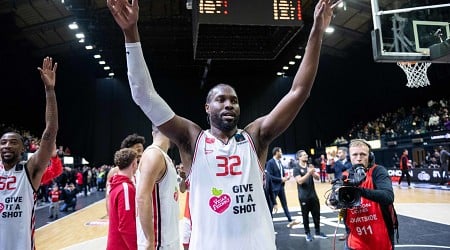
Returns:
(416, 73)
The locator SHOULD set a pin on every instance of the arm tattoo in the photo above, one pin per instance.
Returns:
(47, 136)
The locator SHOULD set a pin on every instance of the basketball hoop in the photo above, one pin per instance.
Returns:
(416, 73)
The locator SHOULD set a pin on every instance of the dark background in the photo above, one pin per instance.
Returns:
(96, 112)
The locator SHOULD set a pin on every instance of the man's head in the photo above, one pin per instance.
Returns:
(11, 148)
(222, 107)
(302, 156)
(135, 142)
(405, 151)
(277, 152)
(342, 153)
(359, 152)
(125, 158)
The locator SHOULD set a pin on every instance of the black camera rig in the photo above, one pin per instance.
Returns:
(345, 192)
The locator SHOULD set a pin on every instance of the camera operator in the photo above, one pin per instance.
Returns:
(370, 225)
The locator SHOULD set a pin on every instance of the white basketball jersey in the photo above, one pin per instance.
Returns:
(166, 210)
(228, 206)
(17, 208)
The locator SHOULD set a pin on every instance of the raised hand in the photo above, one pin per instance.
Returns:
(48, 72)
(323, 13)
(125, 14)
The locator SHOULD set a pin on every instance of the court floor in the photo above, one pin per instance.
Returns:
(424, 222)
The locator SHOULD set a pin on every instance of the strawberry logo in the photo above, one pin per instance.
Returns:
(210, 140)
(219, 202)
(2, 207)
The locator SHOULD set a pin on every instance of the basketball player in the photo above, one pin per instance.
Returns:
(19, 181)
(157, 197)
(225, 164)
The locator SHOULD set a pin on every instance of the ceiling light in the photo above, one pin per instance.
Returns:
(285, 67)
(73, 26)
(89, 47)
(101, 62)
(97, 56)
(329, 30)
(81, 40)
(291, 62)
(111, 74)
(79, 35)
(106, 68)
(280, 73)
(298, 57)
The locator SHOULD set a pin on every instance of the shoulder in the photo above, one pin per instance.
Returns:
(270, 162)
(378, 169)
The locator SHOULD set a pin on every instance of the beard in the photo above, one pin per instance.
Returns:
(10, 159)
(223, 125)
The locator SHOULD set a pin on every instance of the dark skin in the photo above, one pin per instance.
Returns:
(223, 106)
(11, 144)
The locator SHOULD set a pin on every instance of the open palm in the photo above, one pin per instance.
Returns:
(48, 72)
(125, 14)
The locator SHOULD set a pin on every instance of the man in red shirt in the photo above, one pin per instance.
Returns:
(122, 204)
(405, 168)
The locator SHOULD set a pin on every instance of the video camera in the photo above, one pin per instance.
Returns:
(345, 192)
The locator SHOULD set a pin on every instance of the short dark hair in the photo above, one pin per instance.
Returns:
(345, 149)
(15, 132)
(297, 155)
(124, 157)
(131, 140)
(275, 150)
(211, 91)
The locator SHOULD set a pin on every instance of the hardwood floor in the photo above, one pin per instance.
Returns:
(90, 224)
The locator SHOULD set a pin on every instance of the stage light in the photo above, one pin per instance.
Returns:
(73, 26)
(329, 30)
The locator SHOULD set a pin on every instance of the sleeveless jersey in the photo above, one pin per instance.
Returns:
(366, 223)
(228, 206)
(165, 209)
(17, 209)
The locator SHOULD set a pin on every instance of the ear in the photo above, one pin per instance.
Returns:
(207, 108)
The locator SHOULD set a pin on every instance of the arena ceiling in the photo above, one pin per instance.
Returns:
(41, 26)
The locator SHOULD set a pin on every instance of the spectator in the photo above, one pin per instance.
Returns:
(122, 202)
(53, 210)
(444, 157)
(405, 167)
(69, 195)
(305, 175)
(275, 169)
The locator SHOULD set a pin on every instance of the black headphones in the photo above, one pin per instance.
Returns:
(371, 155)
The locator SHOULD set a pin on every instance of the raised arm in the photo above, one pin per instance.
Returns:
(179, 130)
(40, 160)
(278, 120)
